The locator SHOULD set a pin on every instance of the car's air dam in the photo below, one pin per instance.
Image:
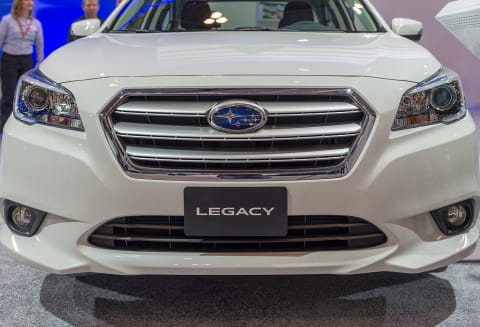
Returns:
(305, 233)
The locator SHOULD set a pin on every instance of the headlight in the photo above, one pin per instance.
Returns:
(40, 100)
(439, 99)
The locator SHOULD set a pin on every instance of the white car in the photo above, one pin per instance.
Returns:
(240, 137)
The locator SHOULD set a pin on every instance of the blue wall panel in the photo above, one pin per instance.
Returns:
(56, 17)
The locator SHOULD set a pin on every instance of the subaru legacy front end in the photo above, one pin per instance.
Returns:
(240, 137)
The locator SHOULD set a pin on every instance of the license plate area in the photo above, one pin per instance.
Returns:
(235, 212)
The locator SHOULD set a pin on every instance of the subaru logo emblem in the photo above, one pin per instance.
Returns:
(237, 116)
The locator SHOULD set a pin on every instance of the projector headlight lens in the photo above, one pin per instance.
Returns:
(443, 98)
(439, 99)
(41, 101)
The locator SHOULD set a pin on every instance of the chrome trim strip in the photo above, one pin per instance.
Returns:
(228, 156)
(322, 173)
(171, 132)
(199, 109)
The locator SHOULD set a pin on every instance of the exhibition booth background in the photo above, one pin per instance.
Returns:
(450, 52)
(56, 17)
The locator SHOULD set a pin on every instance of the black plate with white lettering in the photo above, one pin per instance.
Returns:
(233, 211)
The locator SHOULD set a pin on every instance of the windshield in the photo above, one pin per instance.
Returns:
(349, 16)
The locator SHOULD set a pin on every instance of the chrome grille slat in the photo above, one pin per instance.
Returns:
(238, 139)
(263, 155)
(165, 233)
(172, 132)
(196, 109)
(238, 161)
(310, 133)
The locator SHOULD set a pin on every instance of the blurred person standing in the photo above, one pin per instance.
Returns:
(19, 32)
(90, 10)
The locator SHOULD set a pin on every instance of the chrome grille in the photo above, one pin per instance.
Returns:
(307, 133)
(305, 233)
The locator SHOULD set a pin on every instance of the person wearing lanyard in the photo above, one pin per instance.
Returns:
(19, 32)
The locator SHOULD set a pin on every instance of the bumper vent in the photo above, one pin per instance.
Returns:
(305, 233)
(309, 132)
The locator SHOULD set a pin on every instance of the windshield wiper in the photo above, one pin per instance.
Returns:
(255, 28)
(134, 31)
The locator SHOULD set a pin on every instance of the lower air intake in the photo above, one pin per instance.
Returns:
(305, 233)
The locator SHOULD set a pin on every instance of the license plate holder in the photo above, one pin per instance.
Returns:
(235, 211)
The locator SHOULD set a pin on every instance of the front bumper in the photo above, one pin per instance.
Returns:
(79, 195)
(54, 250)
(399, 178)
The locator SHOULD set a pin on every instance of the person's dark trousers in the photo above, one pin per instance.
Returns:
(11, 70)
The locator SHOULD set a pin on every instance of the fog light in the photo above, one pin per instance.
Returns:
(22, 216)
(456, 218)
(21, 219)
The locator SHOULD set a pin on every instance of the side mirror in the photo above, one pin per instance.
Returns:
(409, 28)
(85, 27)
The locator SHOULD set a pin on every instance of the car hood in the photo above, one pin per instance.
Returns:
(383, 55)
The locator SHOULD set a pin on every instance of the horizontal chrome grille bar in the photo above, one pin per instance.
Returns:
(198, 109)
(171, 132)
(266, 155)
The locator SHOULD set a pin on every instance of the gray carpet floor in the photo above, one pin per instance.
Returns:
(29, 297)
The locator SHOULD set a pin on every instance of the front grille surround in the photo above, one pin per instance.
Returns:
(139, 152)
(305, 233)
